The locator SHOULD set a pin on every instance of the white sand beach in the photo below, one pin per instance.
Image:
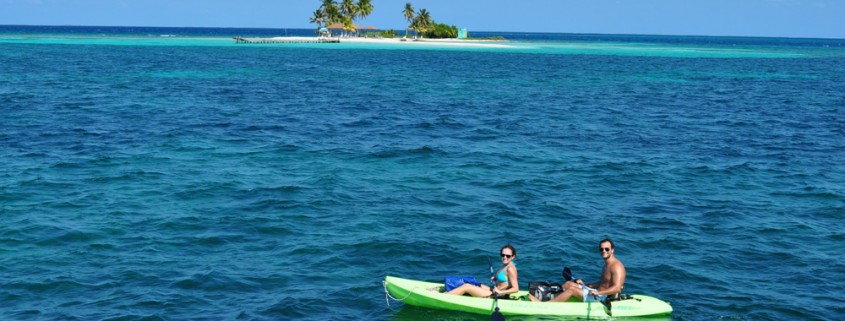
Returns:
(408, 41)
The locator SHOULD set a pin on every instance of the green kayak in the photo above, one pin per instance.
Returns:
(426, 294)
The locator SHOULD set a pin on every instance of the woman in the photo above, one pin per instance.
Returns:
(505, 278)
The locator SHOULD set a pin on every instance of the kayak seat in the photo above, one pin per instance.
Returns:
(506, 297)
(619, 297)
(616, 297)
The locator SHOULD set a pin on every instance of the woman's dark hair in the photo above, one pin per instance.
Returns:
(508, 246)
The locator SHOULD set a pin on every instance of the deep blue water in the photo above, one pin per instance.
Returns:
(195, 179)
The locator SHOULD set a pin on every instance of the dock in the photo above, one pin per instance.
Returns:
(244, 40)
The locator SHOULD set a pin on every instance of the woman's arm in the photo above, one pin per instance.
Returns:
(513, 281)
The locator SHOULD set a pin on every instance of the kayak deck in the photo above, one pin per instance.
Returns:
(426, 294)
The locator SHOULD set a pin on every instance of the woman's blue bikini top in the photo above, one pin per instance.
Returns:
(502, 277)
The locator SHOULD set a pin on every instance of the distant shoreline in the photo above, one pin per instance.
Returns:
(479, 38)
(408, 41)
(276, 31)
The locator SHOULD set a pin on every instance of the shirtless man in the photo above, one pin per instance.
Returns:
(611, 281)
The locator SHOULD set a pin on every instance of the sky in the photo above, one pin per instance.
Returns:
(767, 18)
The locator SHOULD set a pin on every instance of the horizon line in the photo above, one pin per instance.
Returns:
(527, 32)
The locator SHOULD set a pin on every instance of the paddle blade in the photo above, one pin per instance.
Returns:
(497, 316)
(567, 273)
(607, 306)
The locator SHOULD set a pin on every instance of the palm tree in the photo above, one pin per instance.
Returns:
(348, 25)
(409, 15)
(348, 11)
(318, 18)
(348, 8)
(330, 12)
(365, 8)
(422, 22)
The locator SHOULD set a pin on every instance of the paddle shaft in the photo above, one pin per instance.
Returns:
(496, 316)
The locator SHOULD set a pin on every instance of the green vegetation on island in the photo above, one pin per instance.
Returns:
(340, 13)
(424, 26)
(332, 15)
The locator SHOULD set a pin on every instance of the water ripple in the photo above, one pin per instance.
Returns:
(285, 182)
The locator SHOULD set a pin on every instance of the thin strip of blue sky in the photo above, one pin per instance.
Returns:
(783, 18)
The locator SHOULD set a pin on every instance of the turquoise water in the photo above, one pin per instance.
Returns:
(189, 178)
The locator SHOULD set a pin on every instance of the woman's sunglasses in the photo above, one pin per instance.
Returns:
(507, 256)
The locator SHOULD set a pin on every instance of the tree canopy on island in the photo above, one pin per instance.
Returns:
(343, 12)
(346, 12)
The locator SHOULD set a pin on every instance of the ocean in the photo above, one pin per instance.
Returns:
(171, 174)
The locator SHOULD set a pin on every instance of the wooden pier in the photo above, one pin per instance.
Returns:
(243, 40)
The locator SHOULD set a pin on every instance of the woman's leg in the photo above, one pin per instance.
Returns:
(570, 284)
(477, 291)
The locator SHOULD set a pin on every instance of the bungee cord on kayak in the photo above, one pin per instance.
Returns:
(387, 295)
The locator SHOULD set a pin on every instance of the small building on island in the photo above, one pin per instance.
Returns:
(462, 33)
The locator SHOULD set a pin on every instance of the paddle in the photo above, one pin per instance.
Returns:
(567, 275)
(497, 316)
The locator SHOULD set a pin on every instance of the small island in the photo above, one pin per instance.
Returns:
(336, 22)
(340, 16)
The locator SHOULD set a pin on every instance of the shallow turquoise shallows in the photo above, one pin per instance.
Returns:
(171, 174)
